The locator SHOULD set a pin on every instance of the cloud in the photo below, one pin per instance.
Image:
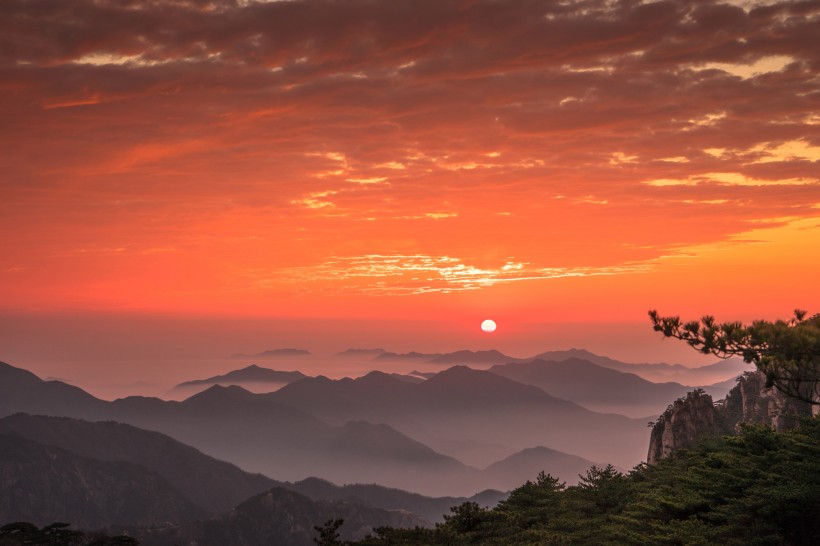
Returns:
(376, 274)
(323, 128)
(732, 179)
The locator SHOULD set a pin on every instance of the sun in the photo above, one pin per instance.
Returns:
(488, 326)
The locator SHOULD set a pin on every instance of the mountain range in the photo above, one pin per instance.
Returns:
(46, 463)
(281, 517)
(475, 416)
(43, 484)
(212, 485)
(595, 387)
(432, 436)
(655, 372)
(263, 433)
(249, 374)
(274, 353)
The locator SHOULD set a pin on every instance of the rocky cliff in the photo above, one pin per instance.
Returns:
(696, 416)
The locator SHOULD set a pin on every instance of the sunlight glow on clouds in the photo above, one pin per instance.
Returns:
(587, 139)
(760, 66)
(732, 179)
(376, 274)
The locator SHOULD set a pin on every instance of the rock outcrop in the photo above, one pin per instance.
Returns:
(696, 416)
(682, 424)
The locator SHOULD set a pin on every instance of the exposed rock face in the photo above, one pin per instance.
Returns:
(751, 402)
(682, 424)
(695, 416)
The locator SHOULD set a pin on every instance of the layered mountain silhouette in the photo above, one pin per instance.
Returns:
(277, 433)
(42, 484)
(274, 353)
(212, 485)
(657, 372)
(249, 374)
(361, 352)
(595, 387)
(654, 372)
(474, 357)
(22, 391)
(430, 508)
(413, 355)
(93, 460)
(281, 517)
(526, 464)
(475, 416)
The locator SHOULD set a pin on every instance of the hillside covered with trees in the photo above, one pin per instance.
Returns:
(757, 487)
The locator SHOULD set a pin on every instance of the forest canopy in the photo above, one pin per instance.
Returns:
(786, 351)
(756, 488)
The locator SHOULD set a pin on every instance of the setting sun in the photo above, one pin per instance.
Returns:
(267, 229)
(488, 326)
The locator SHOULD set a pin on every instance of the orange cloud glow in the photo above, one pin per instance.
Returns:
(554, 161)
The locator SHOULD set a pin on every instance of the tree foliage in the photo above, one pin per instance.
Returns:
(758, 487)
(329, 533)
(787, 352)
(57, 534)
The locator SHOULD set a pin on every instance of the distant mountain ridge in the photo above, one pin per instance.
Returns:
(212, 485)
(526, 464)
(249, 374)
(255, 432)
(653, 372)
(361, 352)
(593, 386)
(463, 412)
(412, 355)
(660, 371)
(266, 433)
(43, 484)
(274, 353)
(430, 508)
(474, 357)
(279, 517)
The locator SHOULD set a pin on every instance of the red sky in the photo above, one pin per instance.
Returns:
(360, 163)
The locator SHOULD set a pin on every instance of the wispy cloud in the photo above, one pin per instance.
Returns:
(555, 132)
(417, 274)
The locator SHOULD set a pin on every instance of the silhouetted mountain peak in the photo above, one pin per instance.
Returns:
(412, 355)
(248, 374)
(211, 484)
(220, 393)
(491, 356)
(485, 386)
(361, 352)
(526, 464)
(455, 373)
(376, 377)
(274, 353)
(9, 370)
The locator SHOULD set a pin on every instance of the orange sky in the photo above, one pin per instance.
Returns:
(420, 160)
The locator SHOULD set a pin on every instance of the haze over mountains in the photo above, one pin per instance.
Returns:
(41, 483)
(129, 476)
(654, 372)
(261, 432)
(212, 485)
(221, 459)
(595, 382)
(274, 353)
(252, 374)
(475, 416)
